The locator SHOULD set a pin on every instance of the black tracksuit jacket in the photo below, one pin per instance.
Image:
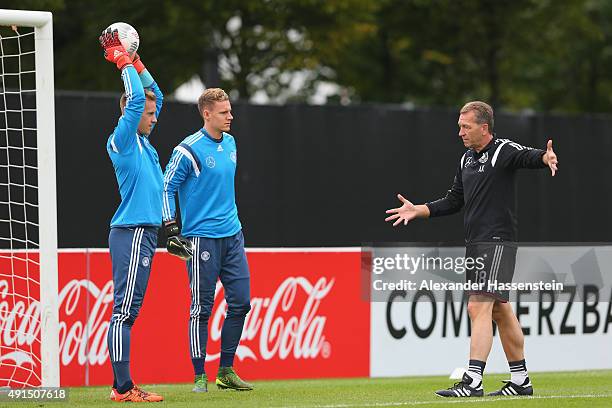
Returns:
(484, 183)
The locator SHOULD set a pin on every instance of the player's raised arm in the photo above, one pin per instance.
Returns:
(149, 83)
(181, 163)
(123, 137)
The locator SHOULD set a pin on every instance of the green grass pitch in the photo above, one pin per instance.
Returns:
(568, 389)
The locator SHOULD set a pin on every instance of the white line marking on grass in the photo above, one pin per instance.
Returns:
(445, 400)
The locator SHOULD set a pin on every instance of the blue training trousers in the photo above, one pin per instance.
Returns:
(224, 259)
(131, 251)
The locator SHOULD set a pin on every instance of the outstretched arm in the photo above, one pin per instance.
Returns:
(453, 201)
(516, 156)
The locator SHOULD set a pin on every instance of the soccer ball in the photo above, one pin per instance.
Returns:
(128, 36)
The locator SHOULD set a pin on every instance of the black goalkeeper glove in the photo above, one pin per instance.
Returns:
(176, 244)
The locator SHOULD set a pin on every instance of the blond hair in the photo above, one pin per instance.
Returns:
(482, 111)
(209, 97)
(149, 95)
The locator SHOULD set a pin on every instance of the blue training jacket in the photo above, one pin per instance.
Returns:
(135, 160)
(202, 170)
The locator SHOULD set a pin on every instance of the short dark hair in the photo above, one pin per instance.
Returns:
(149, 95)
(482, 111)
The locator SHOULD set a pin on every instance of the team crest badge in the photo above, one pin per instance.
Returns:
(146, 261)
(210, 162)
(205, 256)
(233, 156)
(484, 158)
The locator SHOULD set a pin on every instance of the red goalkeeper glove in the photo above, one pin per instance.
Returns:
(113, 50)
(138, 63)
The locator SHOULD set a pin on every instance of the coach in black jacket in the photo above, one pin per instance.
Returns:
(484, 185)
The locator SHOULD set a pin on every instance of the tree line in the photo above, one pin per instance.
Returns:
(541, 55)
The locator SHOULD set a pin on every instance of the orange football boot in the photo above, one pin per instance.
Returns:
(136, 394)
(147, 392)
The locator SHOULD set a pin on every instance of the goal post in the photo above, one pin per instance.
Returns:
(45, 189)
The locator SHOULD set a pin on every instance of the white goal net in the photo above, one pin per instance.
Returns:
(28, 232)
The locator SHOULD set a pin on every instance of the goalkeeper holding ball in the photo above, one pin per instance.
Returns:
(133, 235)
(202, 170)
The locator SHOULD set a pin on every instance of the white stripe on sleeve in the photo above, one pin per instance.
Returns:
(186, 152)
(494, 160)
(170, 171)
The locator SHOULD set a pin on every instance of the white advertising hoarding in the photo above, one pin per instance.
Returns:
(562, 330)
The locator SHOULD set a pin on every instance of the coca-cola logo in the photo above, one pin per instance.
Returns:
(85, 340)
(286, 324)
(20, 324)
